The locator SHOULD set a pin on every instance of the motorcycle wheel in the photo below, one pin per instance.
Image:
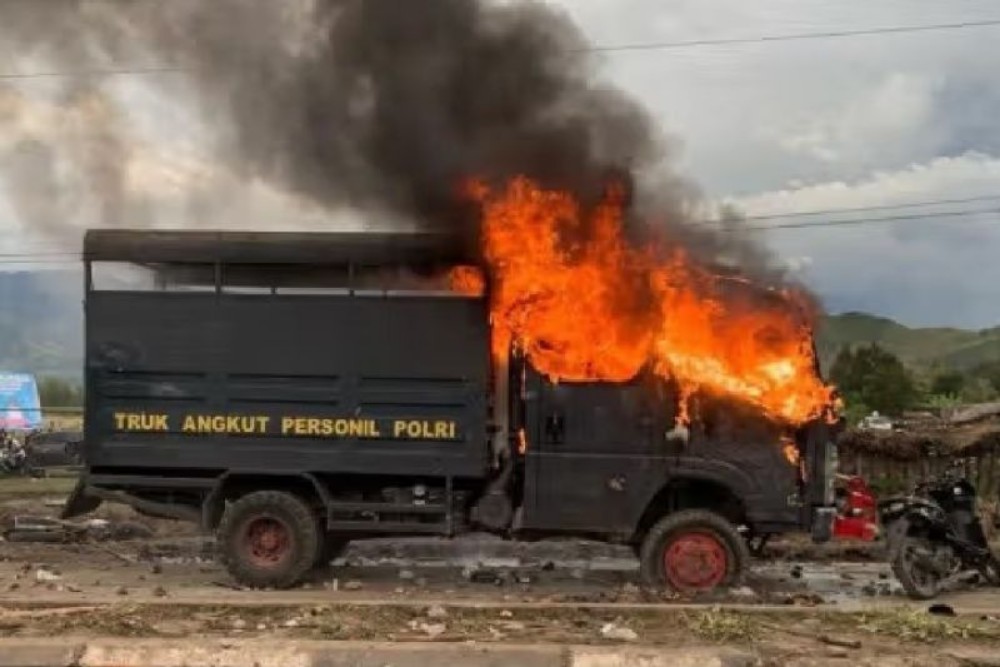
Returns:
(919, 582)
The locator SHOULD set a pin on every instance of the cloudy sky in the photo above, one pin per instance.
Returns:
(838, 123)
(775, 127)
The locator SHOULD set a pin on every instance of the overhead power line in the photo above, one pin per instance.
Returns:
(864, 209)
(611, 48)
(76, 258)
(864, 221)
(736, 225)
(829, 34)
(95, 72)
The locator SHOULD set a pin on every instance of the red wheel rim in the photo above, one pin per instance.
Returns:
(267, 541)
(695, 562)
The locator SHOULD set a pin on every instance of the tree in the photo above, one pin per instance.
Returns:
(949, 383)
(54, 392)
(874, 378)
(990, 372)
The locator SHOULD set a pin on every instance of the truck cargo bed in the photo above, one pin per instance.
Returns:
(332, 383)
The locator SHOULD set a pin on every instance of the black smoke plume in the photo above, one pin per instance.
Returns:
(380, 104)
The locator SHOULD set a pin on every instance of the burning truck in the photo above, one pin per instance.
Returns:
(295, 391)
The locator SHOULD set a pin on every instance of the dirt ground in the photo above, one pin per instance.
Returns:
(137, 577)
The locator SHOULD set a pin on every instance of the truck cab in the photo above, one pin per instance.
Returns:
(293, 392)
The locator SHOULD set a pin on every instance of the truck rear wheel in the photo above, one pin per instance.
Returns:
(268, 539)
(692, 551)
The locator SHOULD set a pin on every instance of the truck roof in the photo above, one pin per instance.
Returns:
(185, 246)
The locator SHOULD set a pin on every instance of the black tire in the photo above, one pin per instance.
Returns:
(701, 535)
(918, 584)
(268, 539)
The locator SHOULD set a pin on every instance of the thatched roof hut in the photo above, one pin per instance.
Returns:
(968, 431)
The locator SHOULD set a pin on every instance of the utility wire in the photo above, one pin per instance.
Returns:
(832, 34)
(76, 258)
(638, 46)
(115, 71)
(864, 221)
(67, 257)
(862, 209)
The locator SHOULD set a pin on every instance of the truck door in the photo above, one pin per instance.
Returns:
(592, 450)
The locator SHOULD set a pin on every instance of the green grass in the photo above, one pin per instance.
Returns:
(25, 487)
(919, 626)
(717, 625)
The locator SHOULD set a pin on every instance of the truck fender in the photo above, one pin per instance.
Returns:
(724, 476)
(724, 473)
(214, 504)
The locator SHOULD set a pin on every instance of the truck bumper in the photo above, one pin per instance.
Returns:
(822, 524)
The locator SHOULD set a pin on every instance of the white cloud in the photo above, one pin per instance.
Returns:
(924, 271)
(885, 119)
(968, 175)
(779, 126)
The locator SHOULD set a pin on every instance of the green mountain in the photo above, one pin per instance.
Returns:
(919, 348)
(41, 323)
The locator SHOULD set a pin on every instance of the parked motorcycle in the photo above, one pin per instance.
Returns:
(13, 456)
(935, 536)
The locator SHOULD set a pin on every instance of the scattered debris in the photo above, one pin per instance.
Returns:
(433, 630)
(44, 576)
(743, 593)
(618, 633)
(630, 589)
(513, 626)
(437, 612)
(120, 556)
(842, 643)
(941, 609)
(485, 577)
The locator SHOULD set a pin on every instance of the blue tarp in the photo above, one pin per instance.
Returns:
(20, 409)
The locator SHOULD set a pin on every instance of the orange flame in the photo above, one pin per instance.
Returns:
(791, 451)
(467, 280)
(584, 304)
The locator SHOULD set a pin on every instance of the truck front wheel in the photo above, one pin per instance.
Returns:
(268, 539)
(692, 551)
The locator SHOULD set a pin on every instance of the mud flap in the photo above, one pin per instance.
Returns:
(79, 502)
(822, 524)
